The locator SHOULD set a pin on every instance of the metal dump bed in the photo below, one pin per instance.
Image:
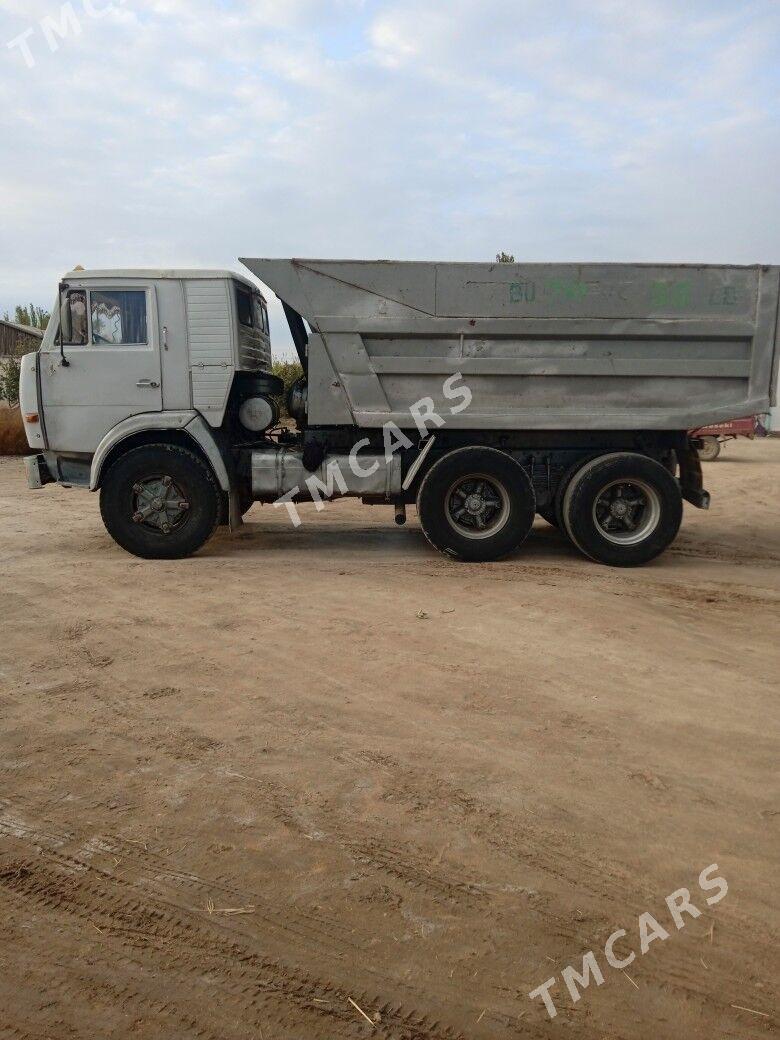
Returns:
(541, 346)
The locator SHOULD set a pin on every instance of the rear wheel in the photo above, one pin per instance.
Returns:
(709, 450)
(160, 501)
(476, 504)
(560, 494)
(622, 509)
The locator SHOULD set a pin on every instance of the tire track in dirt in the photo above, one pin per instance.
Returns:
(406, 785)
(11, 1032)
(675, 969)
(720, 553)
(407, 864)
(172, 1018)
(404, 864)
(249, 980)
(721, 593)
(152, 866)
(526, 841)
(518, 838)
(393, 859)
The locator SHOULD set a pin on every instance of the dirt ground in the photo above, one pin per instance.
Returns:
(311, 776)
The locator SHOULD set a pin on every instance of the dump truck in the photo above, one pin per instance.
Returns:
(482, 394)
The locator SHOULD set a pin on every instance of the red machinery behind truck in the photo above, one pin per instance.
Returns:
(708, 439)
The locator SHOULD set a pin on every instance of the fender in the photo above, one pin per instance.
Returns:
(190, 422)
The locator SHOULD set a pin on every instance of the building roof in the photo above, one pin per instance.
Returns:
(28, 330)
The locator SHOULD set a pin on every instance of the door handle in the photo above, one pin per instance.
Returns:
(147, 384)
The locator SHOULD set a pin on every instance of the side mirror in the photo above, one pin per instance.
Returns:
(63, 303)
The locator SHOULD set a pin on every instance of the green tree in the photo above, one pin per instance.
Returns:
(30, 315)
(505, 258)
(10, 370)
(288, 372)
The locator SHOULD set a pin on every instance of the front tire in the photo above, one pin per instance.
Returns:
(160, 502)
(476, 504)
(622, 509)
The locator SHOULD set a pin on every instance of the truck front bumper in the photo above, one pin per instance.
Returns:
(37, 471)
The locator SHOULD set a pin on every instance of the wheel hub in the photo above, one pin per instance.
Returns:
(627, 511)
(158, 503)
(477, 506)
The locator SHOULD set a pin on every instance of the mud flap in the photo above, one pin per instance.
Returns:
(37, 471)
(691, 478)
(235, 520)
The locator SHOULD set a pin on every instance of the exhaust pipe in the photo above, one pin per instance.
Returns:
(400, 514)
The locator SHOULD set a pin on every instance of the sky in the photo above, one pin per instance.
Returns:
(181, 133)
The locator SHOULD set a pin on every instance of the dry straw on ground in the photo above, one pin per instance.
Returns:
(12, 438)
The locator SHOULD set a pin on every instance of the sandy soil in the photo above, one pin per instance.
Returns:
(428, 816)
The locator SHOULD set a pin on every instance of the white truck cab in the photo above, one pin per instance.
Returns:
(132, 356)
(134, 342)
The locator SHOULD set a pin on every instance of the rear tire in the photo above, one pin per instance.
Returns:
(709, 450)
(622, 509)
(476, 504)
(560, 494)
(160, 502)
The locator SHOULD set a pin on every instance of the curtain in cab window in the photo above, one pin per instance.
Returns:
(118, 316)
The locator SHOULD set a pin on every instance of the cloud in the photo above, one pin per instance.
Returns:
(181, 132)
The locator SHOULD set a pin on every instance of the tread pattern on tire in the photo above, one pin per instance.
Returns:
(431, 506)
(171, 547)
(602, 551)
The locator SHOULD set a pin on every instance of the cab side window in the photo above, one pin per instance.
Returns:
(118, 317)
(244, 306)
(261, 314)
(73, 319)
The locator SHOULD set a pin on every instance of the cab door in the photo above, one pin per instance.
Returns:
(103, 366)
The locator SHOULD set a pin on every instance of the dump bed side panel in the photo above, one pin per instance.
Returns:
(541, 346)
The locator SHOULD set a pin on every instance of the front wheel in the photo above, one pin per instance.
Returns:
(476, 504)
(623, 509)
(160, 502)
